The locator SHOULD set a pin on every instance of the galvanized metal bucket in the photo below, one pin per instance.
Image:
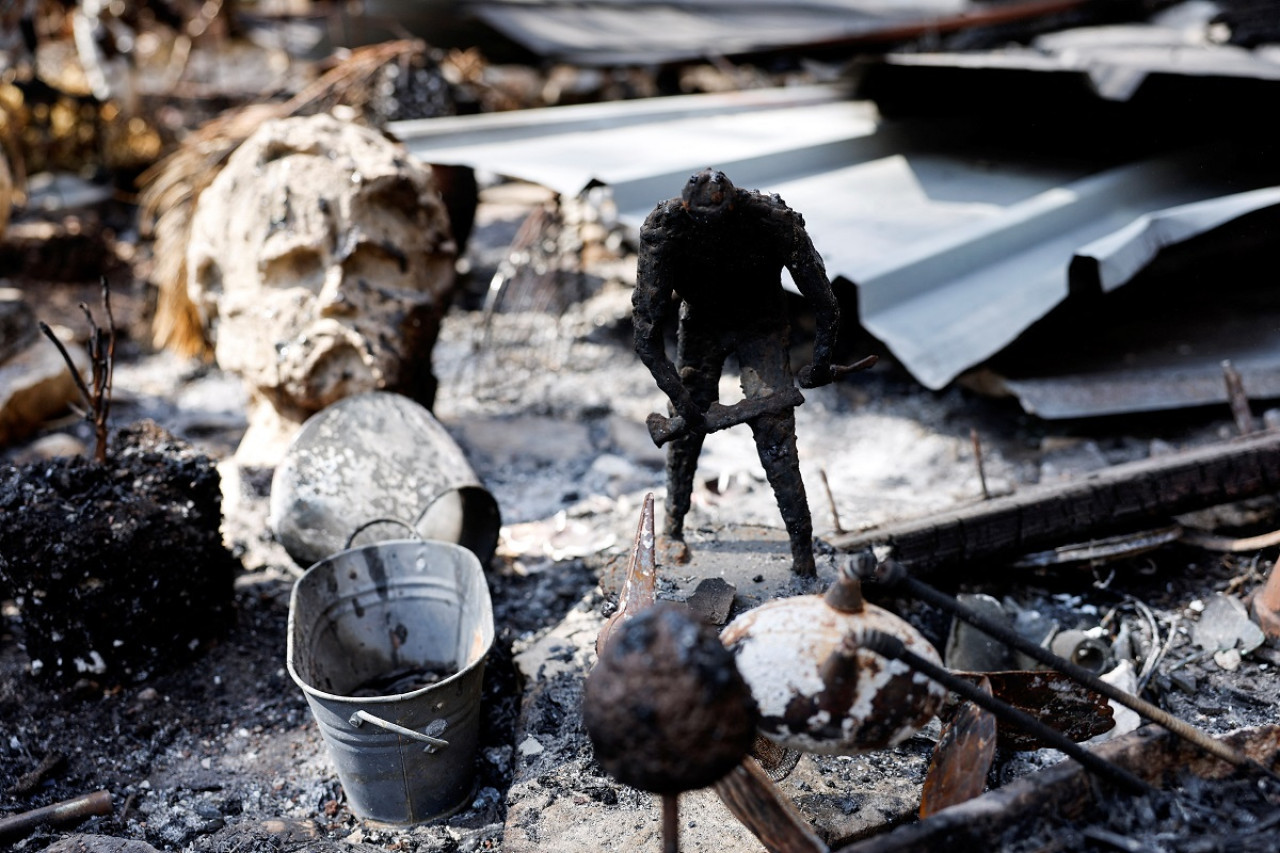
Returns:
(369, 465)
(365, 614)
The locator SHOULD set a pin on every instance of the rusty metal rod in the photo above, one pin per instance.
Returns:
(891, 573)
(831, 502)
(670, 823)
(1237, 398)
(77, 808)
(890, 646)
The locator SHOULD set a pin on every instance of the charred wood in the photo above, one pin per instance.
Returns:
(1116, 498)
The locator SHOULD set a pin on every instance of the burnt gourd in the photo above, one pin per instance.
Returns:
(817, 689)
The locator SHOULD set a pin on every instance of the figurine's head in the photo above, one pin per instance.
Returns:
(321, 260)
(708, 195)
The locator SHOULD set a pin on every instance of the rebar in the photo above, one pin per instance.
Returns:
(77, 808)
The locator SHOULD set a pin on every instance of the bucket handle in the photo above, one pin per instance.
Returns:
(361, 717)
(371, 522)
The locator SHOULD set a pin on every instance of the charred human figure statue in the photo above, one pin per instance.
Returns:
(717, 252)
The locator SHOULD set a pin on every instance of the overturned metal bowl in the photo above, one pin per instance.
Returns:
(375, 467)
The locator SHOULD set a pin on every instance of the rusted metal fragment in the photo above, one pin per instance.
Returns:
(1051, 697)
(639, 590)
(958, 771)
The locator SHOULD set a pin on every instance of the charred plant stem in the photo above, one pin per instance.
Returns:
(102, 358)
(670, 823)
(28, 782)
(108, 371)
(894, 574)
(977, 458)
(71, 365)
(892, 647)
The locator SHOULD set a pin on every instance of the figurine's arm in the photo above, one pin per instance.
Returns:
(651, 301)
(810, 276)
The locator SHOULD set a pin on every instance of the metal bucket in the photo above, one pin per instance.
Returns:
(407, 606)
(363, 469)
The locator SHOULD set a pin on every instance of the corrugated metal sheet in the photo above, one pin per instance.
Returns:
(622, 32)
(952, 302)
(955, 249)
(1115, 62)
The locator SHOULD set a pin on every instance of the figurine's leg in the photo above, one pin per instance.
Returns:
(776, 443)
(682, 464)
(700, 361)
(765, 369)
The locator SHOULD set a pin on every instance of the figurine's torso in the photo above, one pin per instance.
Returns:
(728, 268)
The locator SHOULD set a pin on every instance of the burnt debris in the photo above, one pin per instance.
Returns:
(118, 567)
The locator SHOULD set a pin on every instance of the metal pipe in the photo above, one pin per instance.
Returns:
(670, 823)
(78, 808)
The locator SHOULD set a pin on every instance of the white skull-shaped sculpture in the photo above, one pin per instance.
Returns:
(321, 262)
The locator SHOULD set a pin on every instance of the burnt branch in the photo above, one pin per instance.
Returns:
(755, 801)
(102, 357)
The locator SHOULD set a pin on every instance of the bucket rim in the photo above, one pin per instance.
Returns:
(385, 699)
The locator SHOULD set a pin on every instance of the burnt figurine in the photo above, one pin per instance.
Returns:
(718, 252)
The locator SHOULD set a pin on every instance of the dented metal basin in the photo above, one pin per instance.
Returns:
(374, 467)
(388, 643)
